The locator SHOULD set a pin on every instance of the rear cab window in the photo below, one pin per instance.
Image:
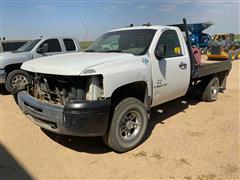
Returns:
(69, 45)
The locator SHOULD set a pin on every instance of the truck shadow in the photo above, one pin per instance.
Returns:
(10, 168)
(95, 145)
(92, 145)
(3, 91)
(163, 112)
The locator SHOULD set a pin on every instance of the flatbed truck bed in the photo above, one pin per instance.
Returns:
(208, 67)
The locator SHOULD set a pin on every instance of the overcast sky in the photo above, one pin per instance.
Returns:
(87, 20)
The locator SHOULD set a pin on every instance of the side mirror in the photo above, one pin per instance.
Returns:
(160, 51)
(42, 49)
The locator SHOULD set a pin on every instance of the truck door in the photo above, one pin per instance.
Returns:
(170, 72)
(50, 46)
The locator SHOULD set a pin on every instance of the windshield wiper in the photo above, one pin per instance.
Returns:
(107, 51)
(90, 50)
(16, 51)
(112, 51)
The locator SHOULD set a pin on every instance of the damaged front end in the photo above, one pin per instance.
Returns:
(62, 89)
(72, 105)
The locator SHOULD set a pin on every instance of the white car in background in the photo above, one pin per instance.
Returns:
(10, 73)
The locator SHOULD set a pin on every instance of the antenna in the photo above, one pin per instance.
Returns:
(86, 29)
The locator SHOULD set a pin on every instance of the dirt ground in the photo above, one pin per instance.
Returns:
(192, 140)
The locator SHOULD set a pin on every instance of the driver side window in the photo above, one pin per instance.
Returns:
(51, 45)
(170, 41)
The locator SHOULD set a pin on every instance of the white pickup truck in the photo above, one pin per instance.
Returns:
(108, 90)
(10, 62)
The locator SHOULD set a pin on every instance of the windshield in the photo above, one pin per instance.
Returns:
(135, 42)
(29, 45)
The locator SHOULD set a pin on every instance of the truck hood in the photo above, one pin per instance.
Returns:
(15, 54)
(7, 58)
(72, 63)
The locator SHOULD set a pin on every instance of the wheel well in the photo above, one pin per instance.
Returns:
(137, 90)
(12, 67)
(222, 76)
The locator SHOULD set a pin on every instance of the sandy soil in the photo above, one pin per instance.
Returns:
(195, 140)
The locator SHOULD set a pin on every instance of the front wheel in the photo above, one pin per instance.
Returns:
(128, 126)
(16, 78)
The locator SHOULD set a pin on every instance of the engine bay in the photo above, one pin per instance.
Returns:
(57, 89)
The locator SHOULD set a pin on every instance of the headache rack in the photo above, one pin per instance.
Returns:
(205, 68)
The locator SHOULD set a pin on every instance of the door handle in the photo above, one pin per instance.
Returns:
(183, 65)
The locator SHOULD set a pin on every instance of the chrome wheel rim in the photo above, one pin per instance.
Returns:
(130, 125)
(214, 88)
(19, 80)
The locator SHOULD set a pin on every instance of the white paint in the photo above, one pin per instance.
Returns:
(119, 69)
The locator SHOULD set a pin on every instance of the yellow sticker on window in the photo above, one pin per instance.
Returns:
(177, 50)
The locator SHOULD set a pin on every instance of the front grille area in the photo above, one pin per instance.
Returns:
(56, 89)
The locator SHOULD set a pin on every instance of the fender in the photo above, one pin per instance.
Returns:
(120, 73)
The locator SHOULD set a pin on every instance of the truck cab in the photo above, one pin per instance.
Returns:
(170, 65)
(10, 73)
(108, 90)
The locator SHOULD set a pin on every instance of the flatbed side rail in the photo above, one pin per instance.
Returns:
(212, 68)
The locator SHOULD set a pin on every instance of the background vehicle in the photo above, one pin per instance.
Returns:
(11, 45)
(224, 47)
(108, 90)
(10, 72)
(198, 38)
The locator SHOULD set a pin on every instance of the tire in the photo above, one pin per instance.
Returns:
(237, 53)
(211, 91)
(16, 78)
(128, 126)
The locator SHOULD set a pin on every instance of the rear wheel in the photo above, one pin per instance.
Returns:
(128, 126)
(211, 91)
(16, 78)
